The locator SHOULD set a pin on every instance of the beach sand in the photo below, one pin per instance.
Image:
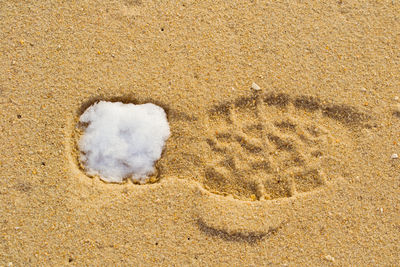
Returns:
(299, 173)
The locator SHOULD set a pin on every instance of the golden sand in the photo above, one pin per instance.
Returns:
(299, 172)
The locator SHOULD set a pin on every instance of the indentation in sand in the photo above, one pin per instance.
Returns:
(256, 147)
(267, 146)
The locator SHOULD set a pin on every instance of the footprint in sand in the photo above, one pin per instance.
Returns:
(268, 146)
(258, 147)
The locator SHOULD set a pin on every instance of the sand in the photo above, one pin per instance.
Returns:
(298, 173)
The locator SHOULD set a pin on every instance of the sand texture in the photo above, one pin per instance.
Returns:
(297, 170)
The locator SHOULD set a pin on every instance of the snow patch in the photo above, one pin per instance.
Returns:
(122, 140)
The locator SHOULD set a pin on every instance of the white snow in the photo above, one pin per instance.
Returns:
(122, 140)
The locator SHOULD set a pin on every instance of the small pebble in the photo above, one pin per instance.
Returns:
(396, 98)
(329, 258)
(363, 89)
(255, 86)
(394, 156)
